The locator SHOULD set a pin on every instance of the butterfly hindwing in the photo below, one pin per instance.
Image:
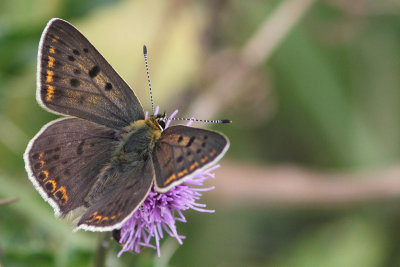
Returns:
(74, 79)
(64, 159)
(117, 203)
(183, 151)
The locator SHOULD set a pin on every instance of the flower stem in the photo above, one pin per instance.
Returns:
(102, 248)
(8, 200)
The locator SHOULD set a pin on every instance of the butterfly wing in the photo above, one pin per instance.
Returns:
(118, 203)
(64, 159)
(183, 151)
(74, 79)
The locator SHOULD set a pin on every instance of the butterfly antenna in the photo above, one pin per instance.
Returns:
(193, 119)
(148, 76)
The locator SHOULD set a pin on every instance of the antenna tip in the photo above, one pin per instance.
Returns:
(226, 121)
(144, 50)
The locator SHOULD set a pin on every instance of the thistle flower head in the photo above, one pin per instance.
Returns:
(158, 214)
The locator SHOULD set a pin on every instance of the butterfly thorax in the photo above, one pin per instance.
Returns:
(138, 141)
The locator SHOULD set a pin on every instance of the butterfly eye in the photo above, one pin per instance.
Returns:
(161, 120)
(162, 123)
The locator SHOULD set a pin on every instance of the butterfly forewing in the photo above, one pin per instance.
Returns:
(74, 79)
(65, 158)
(183, 151)
(118, 203)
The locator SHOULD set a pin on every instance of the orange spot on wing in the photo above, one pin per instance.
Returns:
(52, 50)
(42, 163)
(170, 179)
(64, 196)
(212, 153)
(91, 217)
(204, 159)
(50, 63)
(46, 174)
(104, 219)
(50, 92)
(98, 218)
(49, 77)
(113, 217)
(41, 155)
(53, 183)
(193, 166)
(182, 173)
(54, 40)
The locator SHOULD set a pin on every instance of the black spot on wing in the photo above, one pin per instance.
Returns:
(49, 186)
(179, 159)
(108, 87)
(74, 82)
(59, 195)
(93, 72)
(191, 140)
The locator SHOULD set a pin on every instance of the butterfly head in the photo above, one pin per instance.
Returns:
(157, 122)
(161, 119)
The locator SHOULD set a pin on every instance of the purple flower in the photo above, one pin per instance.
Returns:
(159, 212)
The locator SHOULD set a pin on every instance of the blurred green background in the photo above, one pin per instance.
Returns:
(311, 86)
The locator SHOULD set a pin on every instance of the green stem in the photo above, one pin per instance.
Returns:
(102, 247)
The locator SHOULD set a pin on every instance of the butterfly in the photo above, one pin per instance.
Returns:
(103, 156)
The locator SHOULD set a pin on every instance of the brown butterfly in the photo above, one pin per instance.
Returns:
(105, 156)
